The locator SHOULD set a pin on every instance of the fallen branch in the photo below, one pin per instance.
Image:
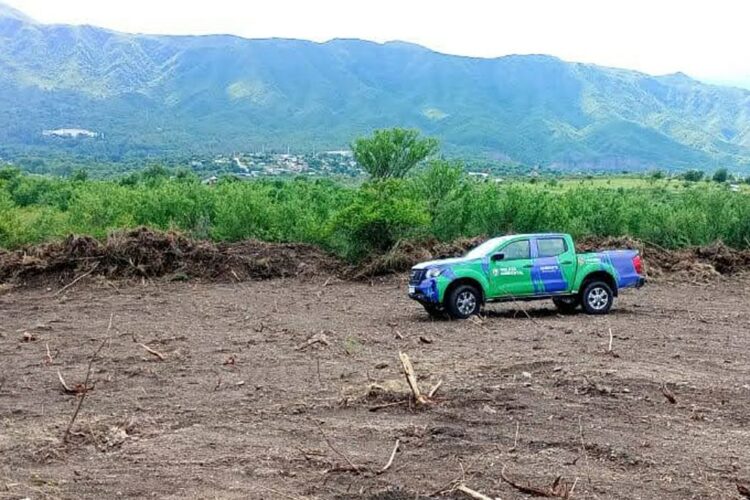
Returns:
(354, 467)
(411, 379)
(66, 388)
(515, 441)
(668, 394)
(472, 493)
(387, 405)
(559, 488)
(49, 359)
(390, 460)
(86, 380)
(96, 264)
(434, 389)
(153, 352)
(609, 349)
(321, 338)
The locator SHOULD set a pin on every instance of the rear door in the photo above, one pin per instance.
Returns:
(511, 276)
(554, 265)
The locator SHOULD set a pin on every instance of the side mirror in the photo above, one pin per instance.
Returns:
(498, 256)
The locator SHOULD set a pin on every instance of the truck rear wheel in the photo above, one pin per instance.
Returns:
(463, 301)
(566, 305)
(597, 298)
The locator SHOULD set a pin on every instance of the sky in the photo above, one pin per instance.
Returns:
(703, 38)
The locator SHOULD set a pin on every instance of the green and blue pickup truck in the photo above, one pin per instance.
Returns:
(525, 267)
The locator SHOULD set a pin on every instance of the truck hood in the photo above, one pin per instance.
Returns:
(442, 263)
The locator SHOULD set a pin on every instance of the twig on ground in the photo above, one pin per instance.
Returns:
(559, 488)
(390, 460)
(354, 467)
(434, 389)
(668, 394)
(472, 493)
(609, 349)
(86, 380)
(152, 351)
(280, 493)
(49, 355)
(515, 440)
(583, 449)
(320, 338)
(388, 405)
(66, 387)
(96, 264)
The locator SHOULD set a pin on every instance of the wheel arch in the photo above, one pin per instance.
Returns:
(600, 275)
(465, 281)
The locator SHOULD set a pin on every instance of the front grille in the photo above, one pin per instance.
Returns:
(416, 275)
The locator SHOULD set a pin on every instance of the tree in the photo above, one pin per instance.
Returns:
(721, 175)
(392, 152)
(693, 175)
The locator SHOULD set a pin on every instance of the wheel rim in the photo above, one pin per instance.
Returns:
(466, 302)
(598, 298)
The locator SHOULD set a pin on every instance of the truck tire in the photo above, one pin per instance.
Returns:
(597, 298)
(463, 301)
(567, 305)
(434, 311)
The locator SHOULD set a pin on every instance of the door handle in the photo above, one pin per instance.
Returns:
(529, 265)
(566, 262)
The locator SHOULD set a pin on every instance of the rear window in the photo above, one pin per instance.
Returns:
(551, 247)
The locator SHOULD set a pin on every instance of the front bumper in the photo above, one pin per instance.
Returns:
(426, 292)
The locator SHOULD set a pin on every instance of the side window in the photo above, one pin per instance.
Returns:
(520, 249)
(551, 247)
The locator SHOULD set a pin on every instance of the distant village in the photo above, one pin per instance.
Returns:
(262, 164)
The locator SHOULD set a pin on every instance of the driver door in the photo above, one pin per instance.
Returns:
(511, 275)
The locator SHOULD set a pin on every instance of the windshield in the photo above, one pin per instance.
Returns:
(486, 247)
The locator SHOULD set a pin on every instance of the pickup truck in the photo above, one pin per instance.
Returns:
(525, 267)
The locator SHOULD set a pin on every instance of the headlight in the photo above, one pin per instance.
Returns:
(434, 272)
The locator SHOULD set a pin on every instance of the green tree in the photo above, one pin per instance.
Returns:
(721, 175)
(392, 152)
(693, 175)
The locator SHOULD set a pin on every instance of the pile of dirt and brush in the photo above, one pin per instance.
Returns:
(143, 252)
(146, 253)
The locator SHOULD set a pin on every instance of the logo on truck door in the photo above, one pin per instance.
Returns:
(506, 271)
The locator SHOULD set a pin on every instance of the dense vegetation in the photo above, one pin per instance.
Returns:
(166, 96)
(353, 221)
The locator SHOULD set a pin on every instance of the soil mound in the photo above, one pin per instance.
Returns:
(146, 253)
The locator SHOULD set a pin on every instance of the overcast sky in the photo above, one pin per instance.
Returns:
(703, 38)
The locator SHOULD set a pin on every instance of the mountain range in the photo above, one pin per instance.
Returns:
(149, 95)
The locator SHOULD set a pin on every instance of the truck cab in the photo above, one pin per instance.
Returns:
(525, 267)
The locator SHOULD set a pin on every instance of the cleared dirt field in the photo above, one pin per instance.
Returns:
(238, 408)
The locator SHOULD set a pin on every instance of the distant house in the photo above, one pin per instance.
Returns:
(211, 180)
(72, 133)
(734, 188)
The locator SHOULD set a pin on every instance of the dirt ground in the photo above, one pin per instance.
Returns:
(240, 408)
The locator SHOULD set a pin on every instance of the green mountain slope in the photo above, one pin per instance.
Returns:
(165, 94)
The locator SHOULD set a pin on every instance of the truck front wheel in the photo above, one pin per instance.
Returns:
(463, 301)
(597, 298)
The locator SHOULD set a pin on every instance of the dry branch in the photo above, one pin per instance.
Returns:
(86, 381)
(434, 389)
(472, 493)
(411, 379)
(559, 488)
(153, 352)
(96, 264)
(390, 460)
(668, 394)
(66, 387)
(354, 468)
(321, 338)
